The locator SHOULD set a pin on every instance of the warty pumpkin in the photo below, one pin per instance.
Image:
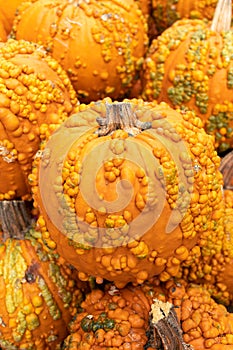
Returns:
(190, 65)
(171, 315)
(36, 95)
(125, 319)
(100, 44)
(38, 295)
(168, 178)
(166, 12)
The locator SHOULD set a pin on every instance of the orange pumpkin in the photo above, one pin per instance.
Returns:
(168, 182)
(35, 97)
(170, 316)
(38, 296)
(190, 65)
(100, 44)
(166, 12)
(125, 319)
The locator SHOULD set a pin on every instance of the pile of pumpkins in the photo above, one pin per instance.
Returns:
(116, 201)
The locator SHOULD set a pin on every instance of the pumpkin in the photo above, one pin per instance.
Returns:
(166, 12)
(125, 319)
(205, 323)
(78, 34)
(38, 296)
(190, 65)
(8, 12)
(35, 97)
(127, 190)
(174, 315)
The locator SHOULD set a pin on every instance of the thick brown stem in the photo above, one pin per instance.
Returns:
(226, 168)
(121, 116)
(222, 16)
(166, 331)
(15, 218)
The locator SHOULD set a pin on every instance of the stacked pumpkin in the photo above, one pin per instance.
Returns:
(166, 12)
(35, 97)
(80, 34)
(190, 65)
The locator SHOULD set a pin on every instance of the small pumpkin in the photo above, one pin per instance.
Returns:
(166, 12)
(174, 315)
(125, 319)
(166, 169)
(190, 65)
(35, 96)
(80, 34)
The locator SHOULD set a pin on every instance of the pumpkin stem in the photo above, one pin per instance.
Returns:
(121, 116)
(226, 168)
(222, 17)
(166, 331)
(15, 219)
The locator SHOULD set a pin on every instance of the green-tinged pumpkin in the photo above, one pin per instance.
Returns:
(38, 296)
(170, 316)
(166, 12)
(190, 65)
(132, 196)
(100, 44)
(35, 97)
(125, 319)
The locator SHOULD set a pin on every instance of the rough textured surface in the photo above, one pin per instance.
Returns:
(76, 220)
(100, 44)
(35, 95)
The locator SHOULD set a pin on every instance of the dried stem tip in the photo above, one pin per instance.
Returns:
(121, 116)
(222, 16)
(15, 218)
(167, 334)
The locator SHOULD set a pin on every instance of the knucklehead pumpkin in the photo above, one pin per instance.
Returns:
(130, 189)
(100, 44)
(35, 95)
(190, 65)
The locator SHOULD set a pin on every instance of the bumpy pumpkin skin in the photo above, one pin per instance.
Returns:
(189, 65)
(166, 12)
(118, 318)
(38, 296)
(79, 34)
(62, 198)
(35, 96)
(204, 323)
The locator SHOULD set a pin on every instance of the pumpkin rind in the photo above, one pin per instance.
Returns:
(78, 34)
(34, 92)
(189, 65)
(166, 12)
(38, 296)
(155, 252)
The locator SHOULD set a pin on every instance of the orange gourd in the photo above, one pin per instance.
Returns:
(170, 316)
(166, 12)
(38, 296)
(100, 44)
(35, 97)
(168, 178)
(190, 65)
